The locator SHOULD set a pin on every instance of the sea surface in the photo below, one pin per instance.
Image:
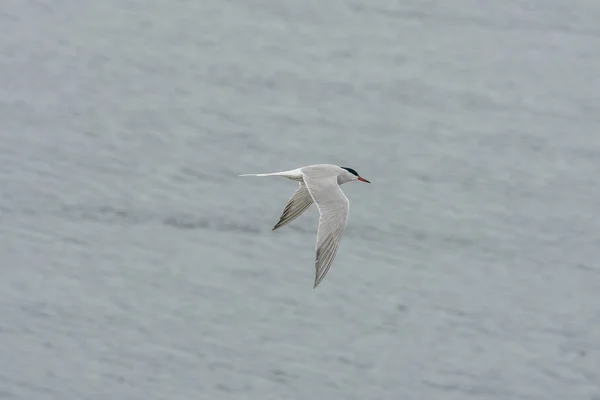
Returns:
(135, 264)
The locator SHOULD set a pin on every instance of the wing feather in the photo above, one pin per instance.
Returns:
(296, 205)
(333, 207)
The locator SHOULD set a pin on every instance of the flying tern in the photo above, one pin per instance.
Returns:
(320, 184)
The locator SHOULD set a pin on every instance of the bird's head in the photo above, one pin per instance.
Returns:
(352, 175)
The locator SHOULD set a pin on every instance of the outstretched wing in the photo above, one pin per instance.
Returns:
(297, 204)
(334, 208)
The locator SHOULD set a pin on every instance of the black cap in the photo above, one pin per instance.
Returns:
(353, 172)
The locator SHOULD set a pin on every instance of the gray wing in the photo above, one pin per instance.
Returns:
(297, 204)
(334, 208)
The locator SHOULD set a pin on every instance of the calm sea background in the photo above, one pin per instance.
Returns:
(136, 264)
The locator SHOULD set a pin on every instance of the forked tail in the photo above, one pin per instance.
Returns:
(274, 173)
(294, 174)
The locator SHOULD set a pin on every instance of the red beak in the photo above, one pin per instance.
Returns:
(360, 178)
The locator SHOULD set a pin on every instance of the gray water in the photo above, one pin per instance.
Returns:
(135, 264)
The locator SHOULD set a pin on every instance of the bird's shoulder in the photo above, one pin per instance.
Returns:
(321, 170)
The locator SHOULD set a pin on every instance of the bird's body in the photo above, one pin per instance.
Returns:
(320, 184)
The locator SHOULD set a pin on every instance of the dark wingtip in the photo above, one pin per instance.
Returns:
(317, 281)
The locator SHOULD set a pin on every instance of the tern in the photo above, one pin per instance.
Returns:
(320, 184)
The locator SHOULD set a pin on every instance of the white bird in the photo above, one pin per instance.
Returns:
(320, 183)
